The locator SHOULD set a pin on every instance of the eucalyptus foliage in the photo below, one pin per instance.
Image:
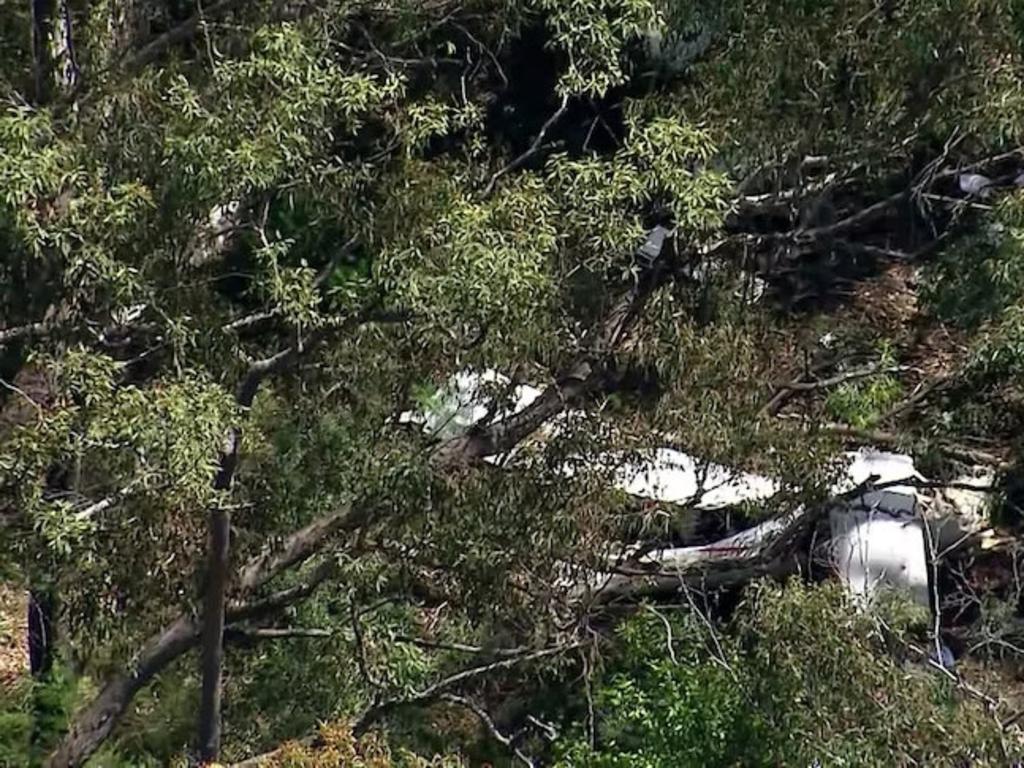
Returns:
(238, 241)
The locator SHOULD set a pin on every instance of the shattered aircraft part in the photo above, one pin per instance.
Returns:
(878, 539)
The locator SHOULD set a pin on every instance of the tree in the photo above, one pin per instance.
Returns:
(242, 239)
(731, 699)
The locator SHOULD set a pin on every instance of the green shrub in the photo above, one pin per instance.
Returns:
(978, 279)
(863, 403)
(799, 675)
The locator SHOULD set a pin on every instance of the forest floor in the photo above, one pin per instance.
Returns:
(13, 637)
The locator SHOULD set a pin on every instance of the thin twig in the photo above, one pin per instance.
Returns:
(485, 49)
(104, 504)
(432, 692)
(785, 392)
(669, 644)
(719, 655)
(19, 391)
(344, 251)
(460, 647)
(534, 148)
(488, 723)
(275, 633)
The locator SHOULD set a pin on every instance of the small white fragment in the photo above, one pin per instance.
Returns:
(974, 184)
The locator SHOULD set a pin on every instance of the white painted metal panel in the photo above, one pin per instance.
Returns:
(879, 541)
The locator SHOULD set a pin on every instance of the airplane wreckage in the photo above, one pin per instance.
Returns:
(884, 527)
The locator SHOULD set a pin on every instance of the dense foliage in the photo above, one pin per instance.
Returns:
(239, 241)
(771, 691)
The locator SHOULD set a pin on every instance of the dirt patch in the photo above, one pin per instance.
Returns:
(13, 636)
(887, 302)
(881, 308)
(888, 305)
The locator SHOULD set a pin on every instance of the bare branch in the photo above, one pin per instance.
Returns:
(238, 610)
(460, 647)
(7, 335)
(91, 726)
(295, 548)
(106, 503)
(881, 437)
(861, 217)
(802, 385)
(344, 251)
(252, 634)
(533, 149)
(488, 724)
(248, 321)
(437, 692)
(375, 712)
(179, 34)
(583, 376)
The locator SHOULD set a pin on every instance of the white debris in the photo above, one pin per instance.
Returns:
(878, 540)
(222, 222)
(961, 501)
(974, 184)
(675, 477)
(464, 402)
(881, 468)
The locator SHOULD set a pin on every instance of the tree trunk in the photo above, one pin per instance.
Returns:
(41, 648)
(129, 24)
(40, 632)
(93, 724)
(215, 600)
(63, 47)
(213, 635)
(42, 21)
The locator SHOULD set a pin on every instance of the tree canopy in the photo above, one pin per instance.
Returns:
(240, 243)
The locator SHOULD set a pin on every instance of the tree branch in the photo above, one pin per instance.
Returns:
(489, 725)
(375, 712)
(42, 64)
(106, 503)
(240, 610)
(437, 691)
(952, 450)
(253, 634)
(533, 149)
(179, 34)
(460, 647)
(297, 547)
(785, 392)
(577, 380)
(7, 335)
(91, 725)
